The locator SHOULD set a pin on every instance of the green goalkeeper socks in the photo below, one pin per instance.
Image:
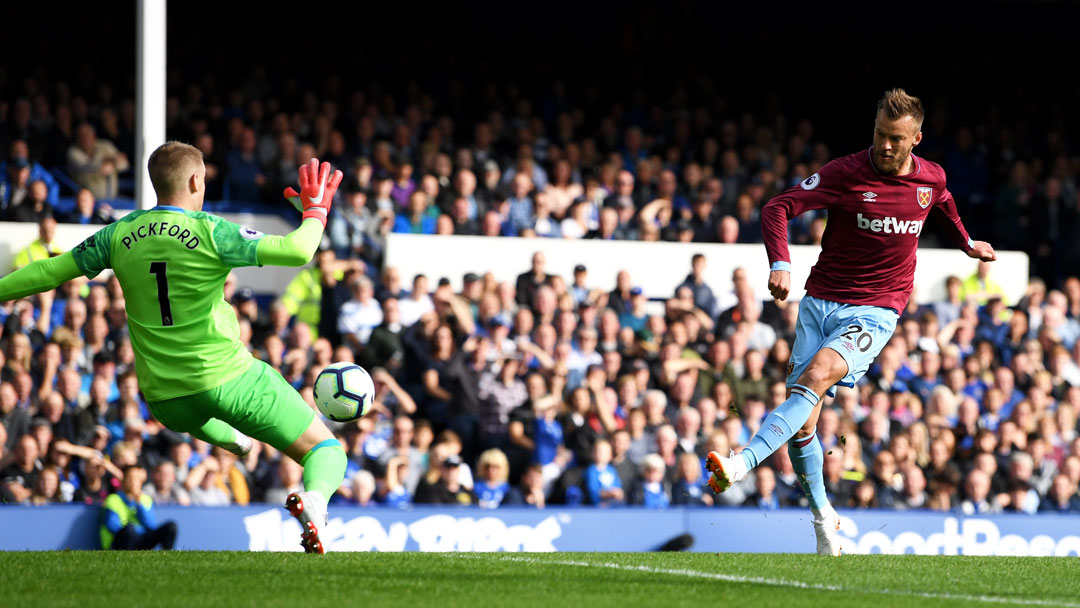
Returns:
(324, 467)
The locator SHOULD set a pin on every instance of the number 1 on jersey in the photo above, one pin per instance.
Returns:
(158, 269)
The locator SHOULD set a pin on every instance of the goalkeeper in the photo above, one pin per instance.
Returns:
(195, 373)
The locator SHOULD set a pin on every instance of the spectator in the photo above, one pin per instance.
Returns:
(977, 494)
(205, 485)
(401, 447)
(47, 488)
(128, 518)
(96, 163)
(522, 210)
(1062, 497)
(602, 484)
(491, 487)
(403, 186)
(979, 287)
(703, 295)
(651, 490)
(97, 482)
(289, 480)
(18, 160)
(360, 315)
(15, 187)
(244, 177)
(163, 487)
(363, 489)
(531, 490)
(14, 419)
(447, 488)
(392, 491)
(688, 488)
(528, 283)
(88, 211)
(19, 479)
(500, 393)
(417, 303)
(33, 207)
(765, 497)
(418, 217)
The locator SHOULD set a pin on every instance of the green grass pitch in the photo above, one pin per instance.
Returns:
(85, 579)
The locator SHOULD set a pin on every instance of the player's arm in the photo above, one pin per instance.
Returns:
(293, 249)
(39, 276)
(945, 213)
(317, 189)
(815, 192)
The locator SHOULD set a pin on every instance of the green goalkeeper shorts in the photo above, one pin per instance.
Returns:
(259, 403)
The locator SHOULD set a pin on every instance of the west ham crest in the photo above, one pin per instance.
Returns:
(925, 195)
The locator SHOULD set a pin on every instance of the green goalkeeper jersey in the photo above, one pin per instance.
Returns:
(172, 264)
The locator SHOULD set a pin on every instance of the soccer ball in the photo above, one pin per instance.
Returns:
(344, 392)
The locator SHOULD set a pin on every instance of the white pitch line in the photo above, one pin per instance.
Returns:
(778, 582)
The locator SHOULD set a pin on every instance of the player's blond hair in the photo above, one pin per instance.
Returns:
(896, 104)
(171, 165)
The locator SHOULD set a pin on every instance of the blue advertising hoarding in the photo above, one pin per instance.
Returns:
(266, 528)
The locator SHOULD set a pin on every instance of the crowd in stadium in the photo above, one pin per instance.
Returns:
(547, 390)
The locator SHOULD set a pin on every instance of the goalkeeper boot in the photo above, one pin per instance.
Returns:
(309, 508)
(725, 471)
(827, 529)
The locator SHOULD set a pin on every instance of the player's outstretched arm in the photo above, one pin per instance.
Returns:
(317, 188)
(293, 249)
(39, 276)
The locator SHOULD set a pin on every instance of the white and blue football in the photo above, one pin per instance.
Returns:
(344, 392)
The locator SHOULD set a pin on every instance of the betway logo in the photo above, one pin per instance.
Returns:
(890, 225)
(269, 531)
(970, 536)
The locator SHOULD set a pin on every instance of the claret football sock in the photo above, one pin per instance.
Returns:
(807, 460)
(324, 468)
(780, 425)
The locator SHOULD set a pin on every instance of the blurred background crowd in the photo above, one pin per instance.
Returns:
(547, 390)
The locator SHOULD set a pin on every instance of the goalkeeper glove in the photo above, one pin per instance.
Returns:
(317, 188)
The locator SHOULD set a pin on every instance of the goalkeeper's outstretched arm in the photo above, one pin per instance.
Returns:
(317, 188)
(293, 249)
(39, 276)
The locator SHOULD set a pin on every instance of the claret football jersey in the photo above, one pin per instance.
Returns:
(868, 249)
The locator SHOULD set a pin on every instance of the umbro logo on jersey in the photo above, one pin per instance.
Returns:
(868, 197)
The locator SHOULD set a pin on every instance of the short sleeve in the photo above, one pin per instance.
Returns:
(95, 253)
(236, 244)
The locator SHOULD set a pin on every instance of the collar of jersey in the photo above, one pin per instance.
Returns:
(918, 165)
(165, 208)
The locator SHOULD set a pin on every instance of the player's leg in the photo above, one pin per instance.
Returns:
(190, 414)
(324, 462)
(263, 405)
(812, 370)
(323, 459)
(860, 334)
(221, 434)
(801, 407)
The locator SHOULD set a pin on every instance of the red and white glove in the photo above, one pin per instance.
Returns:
(317, 188)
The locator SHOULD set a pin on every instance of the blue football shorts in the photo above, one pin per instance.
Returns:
(858, 332)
